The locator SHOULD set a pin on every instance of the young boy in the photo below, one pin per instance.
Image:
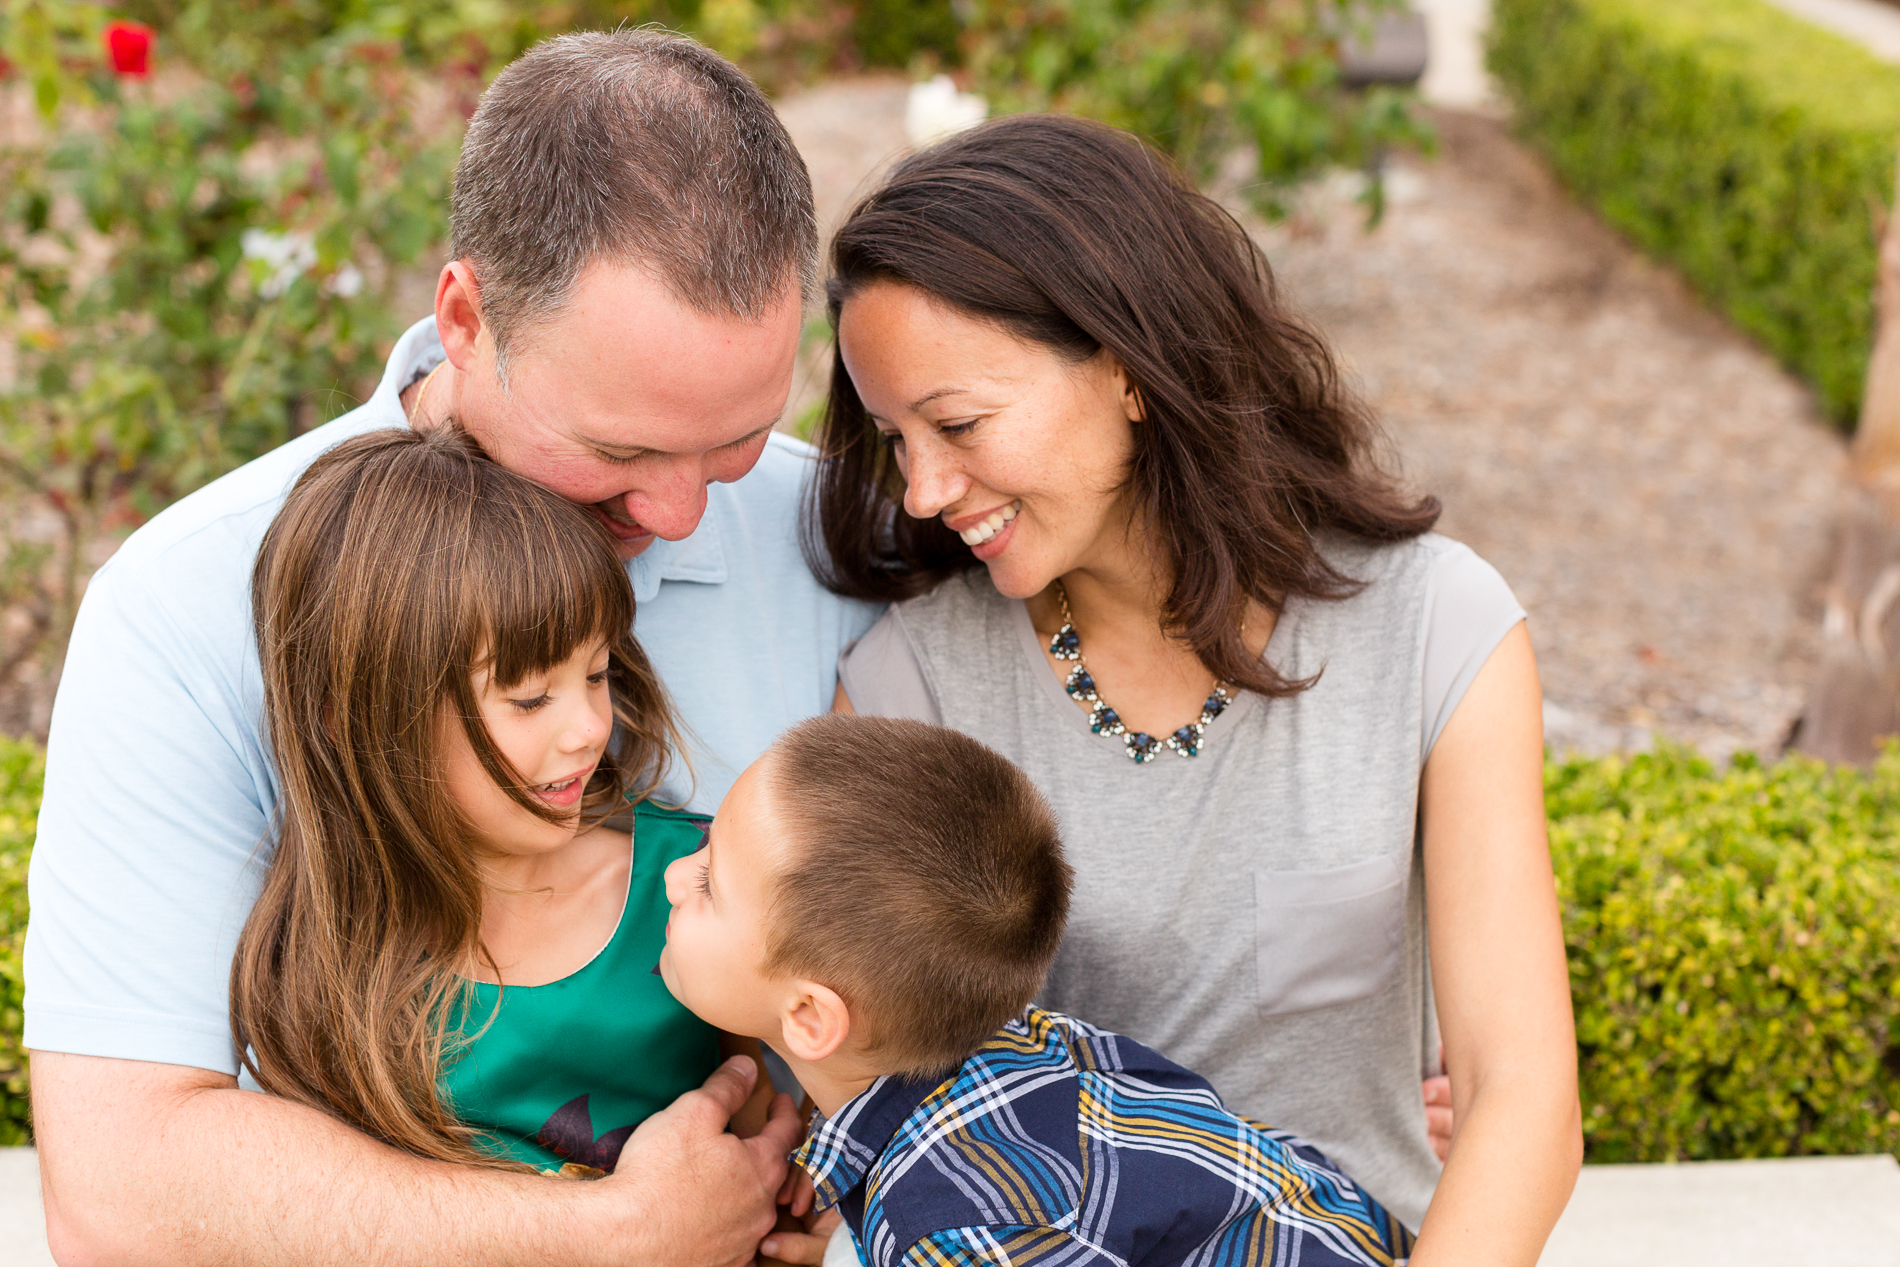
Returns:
(879, 900)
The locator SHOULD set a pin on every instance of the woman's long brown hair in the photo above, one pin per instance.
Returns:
(399, 566)
(1077, 237)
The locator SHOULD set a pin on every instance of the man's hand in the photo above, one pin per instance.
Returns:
(715, 1192)
(157, 1164)
(1438, 1114)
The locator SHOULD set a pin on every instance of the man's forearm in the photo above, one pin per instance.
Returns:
(175, 1167)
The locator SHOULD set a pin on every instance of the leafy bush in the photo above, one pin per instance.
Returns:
(1734, 943)
(1750, 148)
(897, 32)
(21, 767)
(1199, 77)
(195, 263)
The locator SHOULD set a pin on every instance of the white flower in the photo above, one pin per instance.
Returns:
(283, 258)
(346, 282)
(935, 109)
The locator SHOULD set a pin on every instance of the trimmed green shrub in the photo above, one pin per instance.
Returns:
(1753, 150)
(1734, 944)
(21, 767)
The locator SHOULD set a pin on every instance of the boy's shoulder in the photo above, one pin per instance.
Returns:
(1006, 1133)
(1058, 1139)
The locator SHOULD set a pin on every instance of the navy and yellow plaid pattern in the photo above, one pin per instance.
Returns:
(1059, 1144)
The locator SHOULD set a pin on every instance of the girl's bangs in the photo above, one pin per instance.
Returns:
(544, 594)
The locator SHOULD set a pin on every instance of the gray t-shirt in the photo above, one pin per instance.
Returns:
(1255, 913)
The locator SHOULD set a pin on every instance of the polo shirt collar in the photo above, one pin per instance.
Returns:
(841, 1149)
(700, 558)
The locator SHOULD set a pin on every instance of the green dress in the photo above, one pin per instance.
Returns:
(568, 1069)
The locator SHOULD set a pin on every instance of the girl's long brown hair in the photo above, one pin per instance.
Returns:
(399, 566)
(1078, 237)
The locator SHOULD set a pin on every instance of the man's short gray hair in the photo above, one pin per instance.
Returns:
(637, 147)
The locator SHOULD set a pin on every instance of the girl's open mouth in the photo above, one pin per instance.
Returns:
(563, 792)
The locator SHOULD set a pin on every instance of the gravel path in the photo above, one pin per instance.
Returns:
(1655, 489)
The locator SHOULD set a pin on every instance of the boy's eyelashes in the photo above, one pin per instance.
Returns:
(705, 878)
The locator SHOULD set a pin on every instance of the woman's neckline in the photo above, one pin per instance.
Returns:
(1031, 642)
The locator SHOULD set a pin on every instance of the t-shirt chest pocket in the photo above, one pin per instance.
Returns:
(1323, 938)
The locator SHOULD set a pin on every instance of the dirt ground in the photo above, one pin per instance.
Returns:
(1655, 489)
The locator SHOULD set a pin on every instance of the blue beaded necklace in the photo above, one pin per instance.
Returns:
(1103, 720)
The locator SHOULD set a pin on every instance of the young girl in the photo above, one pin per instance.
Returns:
(453, 952)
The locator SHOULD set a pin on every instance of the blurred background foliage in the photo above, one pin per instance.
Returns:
(204, 249)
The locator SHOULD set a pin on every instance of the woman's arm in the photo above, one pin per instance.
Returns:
(1499, 976)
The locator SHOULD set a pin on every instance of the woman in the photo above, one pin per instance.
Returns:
(1136, 541)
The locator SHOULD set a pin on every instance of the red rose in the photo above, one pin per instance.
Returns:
(129, 45)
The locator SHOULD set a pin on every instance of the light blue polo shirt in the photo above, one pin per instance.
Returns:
(159, 791)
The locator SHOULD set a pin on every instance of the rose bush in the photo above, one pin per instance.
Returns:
(198, 259)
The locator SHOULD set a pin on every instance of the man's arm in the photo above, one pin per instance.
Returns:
(163, 1164)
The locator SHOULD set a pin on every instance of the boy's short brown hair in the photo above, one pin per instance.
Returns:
(929, 887)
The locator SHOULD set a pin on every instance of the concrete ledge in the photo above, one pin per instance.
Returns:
(1868, 22)
(1798, 1212)
(22, 1223)
(1793, 1212)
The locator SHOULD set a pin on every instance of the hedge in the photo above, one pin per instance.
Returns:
(1733, 936)
(1734, 945)
(21, 769)
(1752, 149)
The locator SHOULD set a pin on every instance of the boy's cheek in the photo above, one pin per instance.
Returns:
(668, 970)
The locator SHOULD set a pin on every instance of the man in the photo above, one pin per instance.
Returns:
(633, 236)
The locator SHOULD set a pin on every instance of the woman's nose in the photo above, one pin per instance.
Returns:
(933, 480)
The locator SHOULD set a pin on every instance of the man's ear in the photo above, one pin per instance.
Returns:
(814, 1022)
(458, 313)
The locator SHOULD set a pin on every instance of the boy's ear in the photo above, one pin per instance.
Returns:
(815, 1022)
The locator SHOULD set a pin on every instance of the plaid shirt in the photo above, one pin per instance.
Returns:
(1063, 1145)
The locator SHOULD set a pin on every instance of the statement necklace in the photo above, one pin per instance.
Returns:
(1103, 720)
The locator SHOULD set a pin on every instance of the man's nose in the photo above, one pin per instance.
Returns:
(671, 504)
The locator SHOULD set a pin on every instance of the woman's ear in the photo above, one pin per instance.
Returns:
(815, 1022)
(1130, 394)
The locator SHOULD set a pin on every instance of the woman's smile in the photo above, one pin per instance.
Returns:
(987, 535)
